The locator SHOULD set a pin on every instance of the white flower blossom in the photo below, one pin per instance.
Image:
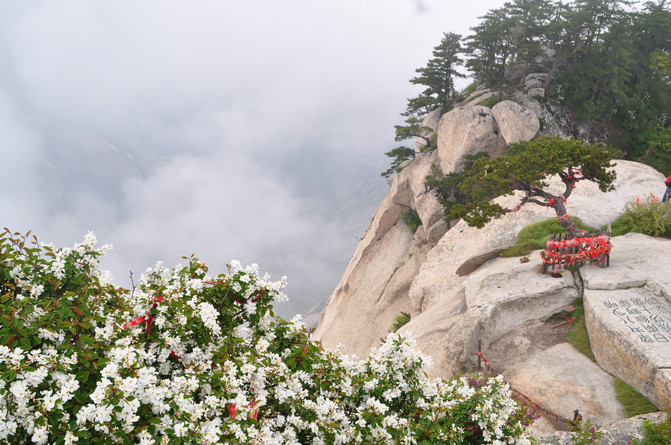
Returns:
(222, 386)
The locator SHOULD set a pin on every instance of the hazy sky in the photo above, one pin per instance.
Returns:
(253, 129)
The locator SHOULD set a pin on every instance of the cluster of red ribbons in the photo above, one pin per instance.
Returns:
(550, 202)
(580, 248)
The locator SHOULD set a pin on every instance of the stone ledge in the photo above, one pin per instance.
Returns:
(630, 335)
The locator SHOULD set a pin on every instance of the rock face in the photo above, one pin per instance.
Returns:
(501, 307)
(561, 379)
(534, 83)
(430, 124)
(628, 315)
(386, 261)
(465, 131)
(463, 297)
(515, 122)
(616, 433)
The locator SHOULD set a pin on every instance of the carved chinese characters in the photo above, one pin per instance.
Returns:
(630, 336)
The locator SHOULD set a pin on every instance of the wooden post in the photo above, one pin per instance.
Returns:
(479, 356)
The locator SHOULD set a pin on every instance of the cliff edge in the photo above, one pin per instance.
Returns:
(464, 298)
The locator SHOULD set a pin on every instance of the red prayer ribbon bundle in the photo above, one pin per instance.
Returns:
(585, 247)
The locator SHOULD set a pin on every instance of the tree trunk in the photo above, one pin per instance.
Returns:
(562, 216)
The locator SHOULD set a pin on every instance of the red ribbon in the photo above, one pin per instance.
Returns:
(142, 319)
(232, 408)
(484, 359)
(593, 247)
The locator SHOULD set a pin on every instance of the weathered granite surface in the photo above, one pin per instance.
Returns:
(561, 380)
(617, 433)
(460, 292)
(515, 122)
(465, 131)
(628, 315)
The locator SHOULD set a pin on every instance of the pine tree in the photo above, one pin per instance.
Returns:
(438, 77)
(525, 168)
(491, 47)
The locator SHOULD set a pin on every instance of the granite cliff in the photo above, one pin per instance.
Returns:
(463, 297)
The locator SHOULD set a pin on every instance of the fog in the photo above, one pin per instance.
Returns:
(250, 130)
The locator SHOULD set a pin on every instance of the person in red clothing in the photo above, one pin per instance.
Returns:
(667, 194)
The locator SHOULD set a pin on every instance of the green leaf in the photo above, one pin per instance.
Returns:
(87, 340)
(82, 375)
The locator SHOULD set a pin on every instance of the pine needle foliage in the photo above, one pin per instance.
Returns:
(411, 219)
(525, 167)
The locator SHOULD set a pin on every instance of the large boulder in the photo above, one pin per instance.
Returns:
(465, 131)
(515, 122)
(628, 315)
(561, 380)
(498, 308)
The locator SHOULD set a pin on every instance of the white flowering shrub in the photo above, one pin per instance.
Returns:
(191, 358)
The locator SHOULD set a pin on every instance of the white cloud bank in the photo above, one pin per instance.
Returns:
(253, 130)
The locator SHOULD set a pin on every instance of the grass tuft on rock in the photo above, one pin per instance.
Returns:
(400, 321)
(656, 434)
(633, 402)
(535, 236)
(577, 335)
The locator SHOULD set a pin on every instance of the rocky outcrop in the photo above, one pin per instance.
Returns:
(561, 380)
(381, 293)
(628, 315)
(500, 307)
(465, 131)
(464, 247)
(621, 432)
(516, 123)
(429, 129)
(534, 84)
(465, 298)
